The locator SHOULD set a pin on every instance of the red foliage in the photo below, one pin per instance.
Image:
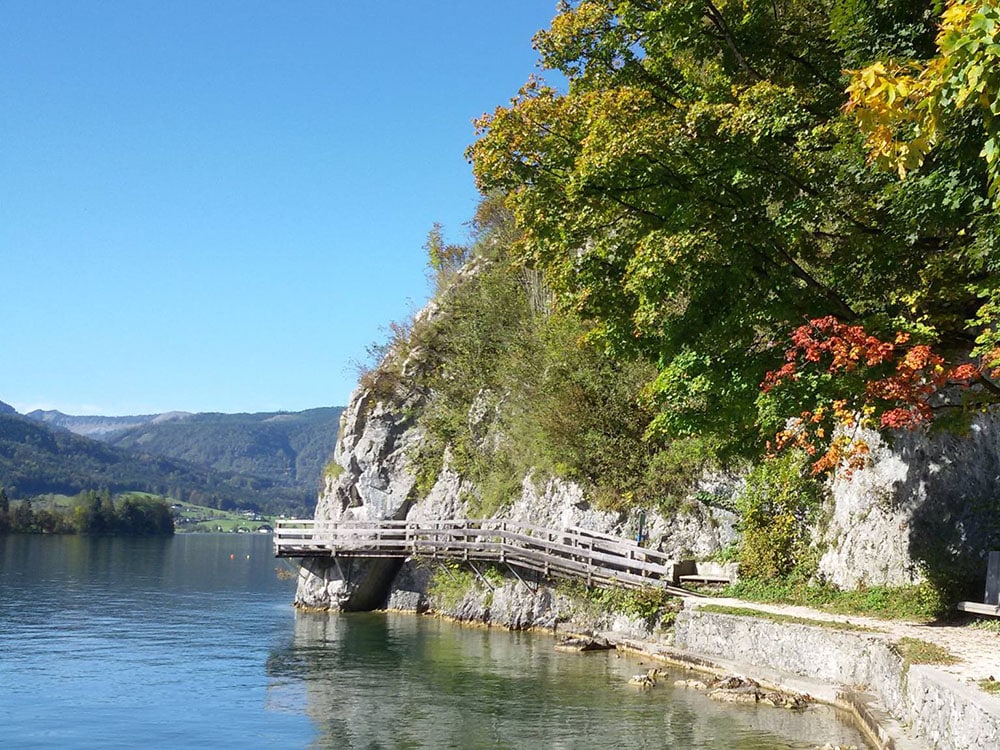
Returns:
(899, 382)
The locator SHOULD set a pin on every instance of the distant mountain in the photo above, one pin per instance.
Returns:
(7, 408)
(98, 427)
(36, 459)
(287, 449)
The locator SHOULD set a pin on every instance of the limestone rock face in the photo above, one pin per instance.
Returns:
(698, 531)
(447, 498)
(374, 481)
(925, 506)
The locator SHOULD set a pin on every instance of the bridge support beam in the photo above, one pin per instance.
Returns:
(523, 582)
(480, 575)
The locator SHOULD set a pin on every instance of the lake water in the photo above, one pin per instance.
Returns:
(192, 642)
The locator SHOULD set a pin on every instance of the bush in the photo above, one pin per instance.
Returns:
(510, 385)
(776, 507)
(653, 606)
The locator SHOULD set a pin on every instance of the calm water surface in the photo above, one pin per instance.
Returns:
(192, 642)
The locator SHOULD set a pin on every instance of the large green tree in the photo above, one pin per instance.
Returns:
(699, 192)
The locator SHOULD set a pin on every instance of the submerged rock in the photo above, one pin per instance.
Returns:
(734, 696)
(642, 681)
(581, 645)
(735, 689)
(691, 684)
(649, 679)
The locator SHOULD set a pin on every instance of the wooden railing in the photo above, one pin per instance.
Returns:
(593, 557)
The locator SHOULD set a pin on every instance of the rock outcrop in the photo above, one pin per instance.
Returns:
(374, 479)
(925, 506)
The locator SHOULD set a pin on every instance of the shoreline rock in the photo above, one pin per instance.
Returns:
(582, 645)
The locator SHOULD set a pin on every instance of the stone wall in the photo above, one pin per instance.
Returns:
(949, 714)
(940, 710)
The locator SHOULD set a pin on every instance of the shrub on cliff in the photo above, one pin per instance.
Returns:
(777, 506)
(512, 386)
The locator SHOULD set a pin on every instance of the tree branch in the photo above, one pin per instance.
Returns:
(719, 22)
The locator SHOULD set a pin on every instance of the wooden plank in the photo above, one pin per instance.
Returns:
(568, 551)
(977, 608)
(704, 579)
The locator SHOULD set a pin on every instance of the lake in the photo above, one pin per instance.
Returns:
(192, 641)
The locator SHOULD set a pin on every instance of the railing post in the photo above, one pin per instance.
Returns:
(590, 562)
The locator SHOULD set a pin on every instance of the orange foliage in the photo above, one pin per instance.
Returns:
(899, 383)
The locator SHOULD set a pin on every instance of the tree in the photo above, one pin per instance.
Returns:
(936, 115)
(443, 260)
(699, 191)
(23, 519)
(906, 107)
(838, 378)
(4, 511)
(88, 518)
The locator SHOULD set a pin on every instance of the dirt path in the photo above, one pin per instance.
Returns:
(978, 651)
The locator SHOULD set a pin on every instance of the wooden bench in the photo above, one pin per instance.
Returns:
(976, 608)
(991, 606)
(704, 579)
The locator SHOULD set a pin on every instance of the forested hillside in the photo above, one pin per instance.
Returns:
(747, 235)
(36, 459)
(287, 448)
(290, 448)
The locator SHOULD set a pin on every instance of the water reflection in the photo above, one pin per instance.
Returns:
(110, 642)
(398, 681)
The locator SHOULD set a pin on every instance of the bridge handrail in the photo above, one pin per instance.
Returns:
(326, 532)
(572, 551)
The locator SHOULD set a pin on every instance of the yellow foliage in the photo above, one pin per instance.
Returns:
(901, 107)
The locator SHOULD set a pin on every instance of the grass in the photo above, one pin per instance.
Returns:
(920, 603)
(916, 651)
(60, 503)
(786, 619)
(190, 517)
(990, 626)
(990, 685)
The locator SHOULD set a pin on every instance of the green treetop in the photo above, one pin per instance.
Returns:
(700, 192)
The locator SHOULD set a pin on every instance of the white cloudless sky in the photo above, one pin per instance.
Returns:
(216, 206)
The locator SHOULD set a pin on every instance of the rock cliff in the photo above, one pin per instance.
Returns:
(926, 506)
(374, 479)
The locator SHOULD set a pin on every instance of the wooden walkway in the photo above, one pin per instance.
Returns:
(574, 553)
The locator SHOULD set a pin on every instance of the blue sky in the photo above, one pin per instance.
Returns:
(216, 206)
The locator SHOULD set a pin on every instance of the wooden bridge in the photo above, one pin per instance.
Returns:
(574, 553)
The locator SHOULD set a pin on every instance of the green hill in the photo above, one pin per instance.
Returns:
(288, 448)
(36, 459)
